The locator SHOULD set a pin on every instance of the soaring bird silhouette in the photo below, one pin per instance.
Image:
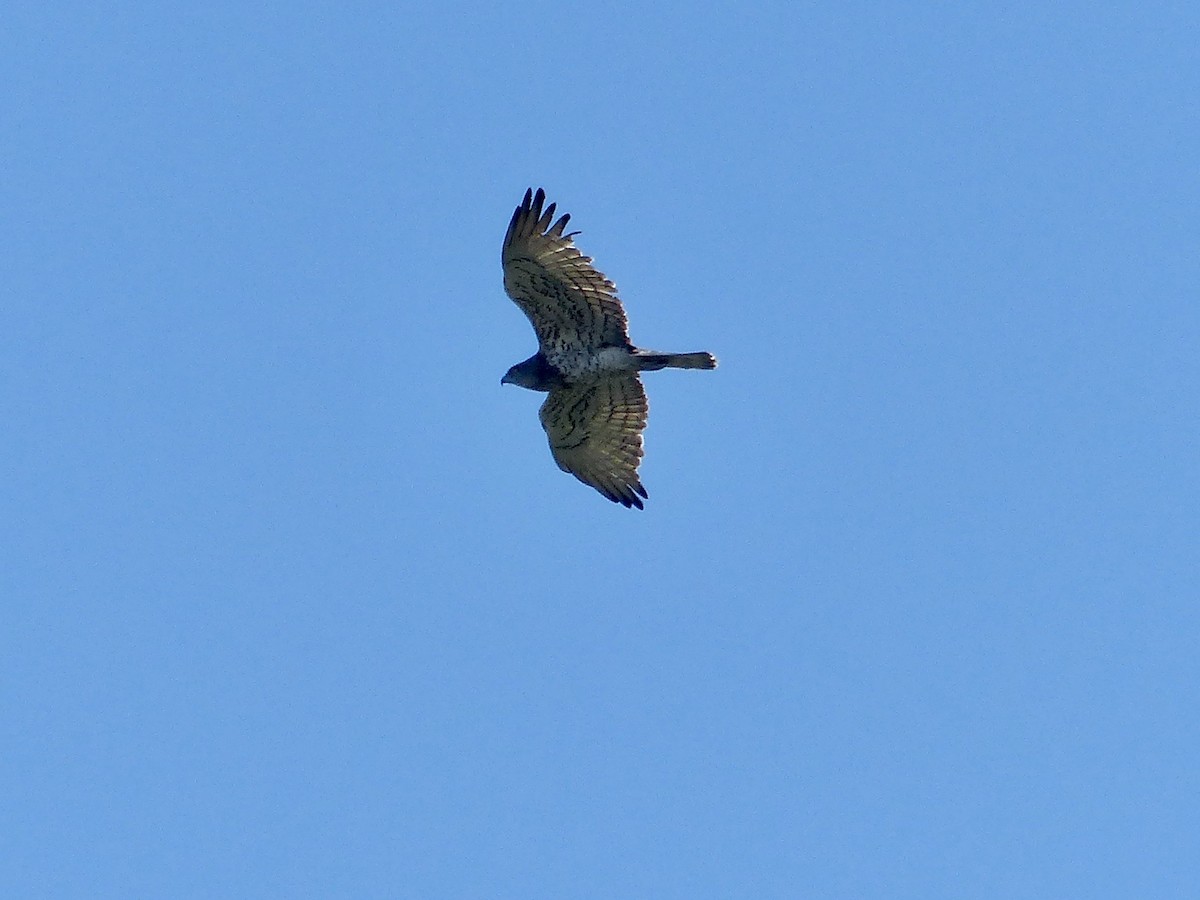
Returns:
(595, 413)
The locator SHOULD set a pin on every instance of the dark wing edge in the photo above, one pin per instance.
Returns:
(595, 432)
(554, 284)
(528, 220)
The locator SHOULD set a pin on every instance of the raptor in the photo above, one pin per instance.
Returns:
(595, 411)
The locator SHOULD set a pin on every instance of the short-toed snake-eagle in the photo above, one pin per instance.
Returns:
(596, 409)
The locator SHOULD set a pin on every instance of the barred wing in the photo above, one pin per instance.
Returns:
(595, 430)
(572, 306)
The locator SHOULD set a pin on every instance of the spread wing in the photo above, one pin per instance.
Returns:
(571, 305)
(595, 430)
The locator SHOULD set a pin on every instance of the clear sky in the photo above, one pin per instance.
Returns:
(295, 602)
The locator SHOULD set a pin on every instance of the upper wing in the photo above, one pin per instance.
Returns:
(595, 430)
(571, 305)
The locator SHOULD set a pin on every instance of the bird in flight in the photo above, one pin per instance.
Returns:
(596, 409)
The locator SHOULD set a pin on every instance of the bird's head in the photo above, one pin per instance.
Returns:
(534, 373)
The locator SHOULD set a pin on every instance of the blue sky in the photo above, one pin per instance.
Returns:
(296, 602)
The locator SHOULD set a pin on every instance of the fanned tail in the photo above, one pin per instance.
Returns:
(650, 360)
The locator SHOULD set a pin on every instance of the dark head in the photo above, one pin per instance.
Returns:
(534, 373)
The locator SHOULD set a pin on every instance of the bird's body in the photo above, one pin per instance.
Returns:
(596, 409)
(538, 374)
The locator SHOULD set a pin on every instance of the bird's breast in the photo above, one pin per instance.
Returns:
(579, 363)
